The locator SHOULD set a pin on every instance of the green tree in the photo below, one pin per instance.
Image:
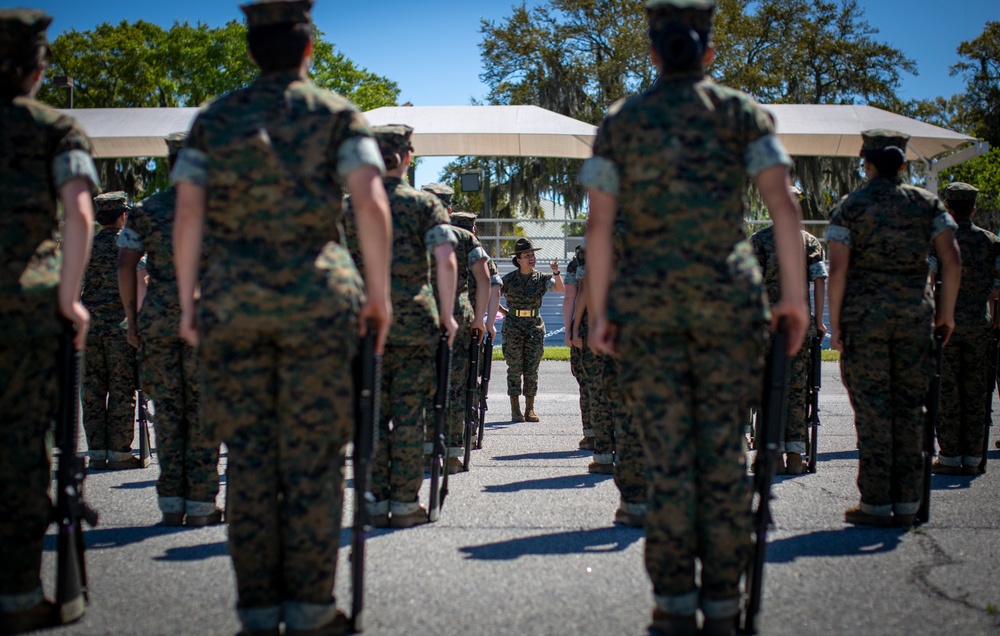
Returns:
(979, 106)
(142, 65)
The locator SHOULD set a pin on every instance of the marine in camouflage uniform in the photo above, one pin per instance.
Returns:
(108, 366)
(523, 328)
(278, 315)
(171, 372)
(670, 164)
(796, 424)
(419, 227)
(966, 390)
(882, 317)
(46, 155)
(576, 353)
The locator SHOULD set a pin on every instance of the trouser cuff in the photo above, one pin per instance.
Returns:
(969, 460)
(882, 511)
(171, 504)
(632, 508)
(678, 605)
(795, 447)
(199, 508)
(379, 508)
(259, 618)
(906, 508)
(602, 458)
(946, 460)
(456, 451)
(308, 615)
(10, 603)
(715, 609)
(588, 432)
(404, 507)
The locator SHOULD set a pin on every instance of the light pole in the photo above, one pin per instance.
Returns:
(65, 81)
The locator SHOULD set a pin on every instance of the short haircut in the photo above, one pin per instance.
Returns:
(961, 208)
(19, 66)
(279, 47)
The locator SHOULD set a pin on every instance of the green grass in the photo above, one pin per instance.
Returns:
(831, 355)
(991, 609)
(551, 353)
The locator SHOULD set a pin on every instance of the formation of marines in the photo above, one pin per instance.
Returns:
(262, 273)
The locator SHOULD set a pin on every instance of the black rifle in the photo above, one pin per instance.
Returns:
(70, 509)
(484, 385)
(771, 430)
(367, 390)
(994, 362)
(815, 383)
(141, 416)
(933, 406)
(471, 403)
(439, 456)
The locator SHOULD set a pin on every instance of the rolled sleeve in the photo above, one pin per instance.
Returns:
(191, 167)
(439, 235)
(942, 223)
(549, 284)
(932, 263)
(581, 271)
(356, 152)
(818, 270)
(570, 279)
(75, 164)
(496, 281)
(601, 174)
(130, 240)
(476, 255)
(840, 234)
(766, 152)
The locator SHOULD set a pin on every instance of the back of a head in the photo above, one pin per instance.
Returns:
(680, 32)
(23, 47)
(393, 142)
(884, 149)
(109, 207)
(960, 199)
(278, 32)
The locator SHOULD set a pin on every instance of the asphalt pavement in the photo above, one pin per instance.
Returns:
(526, 545)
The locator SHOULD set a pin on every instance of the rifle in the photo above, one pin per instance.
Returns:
(484, 385)
(439, 456)
(771, 430)
(815, 383)
(70, 509)
(471, 387)
(933, 406)
(367, 394)
(141, 415)
(994, 361)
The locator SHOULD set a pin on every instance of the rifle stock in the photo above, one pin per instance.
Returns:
(141, 416)
(815, 384)
(933, 406)
(772, 422)
(994, 361)
(70, 509)
(471, 389)
(484, 385)
(367, 381)
(439, 456)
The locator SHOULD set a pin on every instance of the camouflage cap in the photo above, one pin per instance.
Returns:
(524, 245)
(878, 139)
(442, 191)
(959, 191)
(393, 138)
(21, 29)
(270, 12)
(696, 14)
(464, 220)
(175, 141)
(111, 202)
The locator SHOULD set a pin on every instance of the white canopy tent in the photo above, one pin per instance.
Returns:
(530, 131)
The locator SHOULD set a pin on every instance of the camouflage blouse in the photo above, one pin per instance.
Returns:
(100, 284)
(766, 251)
(980, 269)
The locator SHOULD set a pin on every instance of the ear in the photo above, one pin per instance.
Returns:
(709, 56)
(654, 55)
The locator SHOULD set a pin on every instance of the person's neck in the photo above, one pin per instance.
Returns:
(526, 272)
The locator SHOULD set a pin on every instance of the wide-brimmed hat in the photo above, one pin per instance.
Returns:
(523, 245)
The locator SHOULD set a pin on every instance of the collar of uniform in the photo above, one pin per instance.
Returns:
(391, 180)
(281, 77)
(680, 77)
(893, 180)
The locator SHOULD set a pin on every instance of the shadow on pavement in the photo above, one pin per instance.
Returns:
(107, 538)
(195, 552)
(834, 543)
(827, 457)
(585, 480)
(135, 485)
(597, 540)
(576, 454)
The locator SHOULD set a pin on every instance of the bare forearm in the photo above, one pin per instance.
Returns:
(493, 305)
(569, 306)
(128, 280)
(78, 234)
(837, 283)
(447, 271)
(600, 224)
(371, 207)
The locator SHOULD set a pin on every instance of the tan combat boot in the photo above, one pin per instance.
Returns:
(515, 409)
(529, 408)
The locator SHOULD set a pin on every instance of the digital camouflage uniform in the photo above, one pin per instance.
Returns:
(576, 356)
(419, 225)
(677, 157)
(887, 321)
(764, 247)
(278, 326)
(600, 409)
(43, 150)
(965, 374)
(171, 372)
(108, 364)
(524, 336)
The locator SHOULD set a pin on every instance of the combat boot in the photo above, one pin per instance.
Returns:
(719, 627)
(515, 409)
(529, 408)
(38, 616)
(200, 521)
(667, 625)
(794, 464)
(587, 443)
(336, 627)
(407, 515)
(859, 517)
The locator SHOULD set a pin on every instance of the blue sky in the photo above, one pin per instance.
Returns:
(435, 56)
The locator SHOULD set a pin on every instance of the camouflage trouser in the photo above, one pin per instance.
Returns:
(687, 391)
(284, 405)
(523, 346)
(188, 458)
(29, 391)
(885, 366)
(796, 424)
(965, 396)
(109, 391)
(600, 407)
(576, 366)
(455, 429)
(630, 461)
(408, 382)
